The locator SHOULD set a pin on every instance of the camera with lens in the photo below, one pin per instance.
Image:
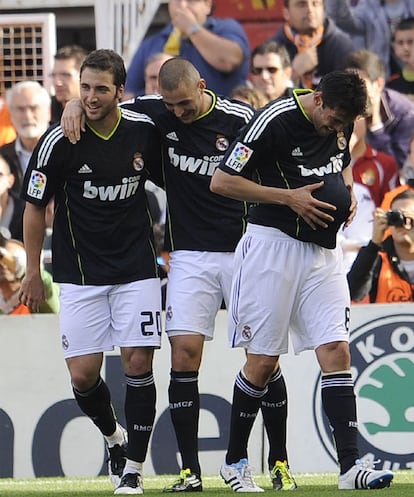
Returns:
(395, 218)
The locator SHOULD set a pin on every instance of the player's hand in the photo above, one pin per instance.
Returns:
(353, 207)
(309, 208)
(32, 292)
(73, 120)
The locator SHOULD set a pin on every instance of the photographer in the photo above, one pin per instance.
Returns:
(384, 269)
(12, 270)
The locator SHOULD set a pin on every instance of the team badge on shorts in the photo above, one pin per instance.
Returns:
(341, 141)
(222, 143)
(239, 157)
(246, 332)
(65, 342)
(37, 184)
(169, 313)
(138, 162)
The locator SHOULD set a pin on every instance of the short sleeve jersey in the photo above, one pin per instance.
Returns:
(198, 219)
(102, 228)
(281, 144)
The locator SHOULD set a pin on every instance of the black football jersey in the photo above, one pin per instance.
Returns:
(282, 146)
(198, 219)
(102, 228)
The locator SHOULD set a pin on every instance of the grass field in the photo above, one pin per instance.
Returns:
(308, 485)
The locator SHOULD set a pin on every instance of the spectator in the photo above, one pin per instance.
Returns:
(371, 23)
(390, 115)
(151, 70)
(218, 48)
(403, 43)
(12, 269)
(29, 105)
(374, 173)
(271, 69)
(357, 234)
(249, 95)
(408, 179)
(378, 171)
(7, 131)
(384, 269)
(11, 206)
(315, 44)
(65, 77)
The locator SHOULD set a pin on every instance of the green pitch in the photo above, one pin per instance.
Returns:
(309, 485)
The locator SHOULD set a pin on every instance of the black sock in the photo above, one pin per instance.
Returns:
(96, 404)
(185, 412)
(246, 403)
(139, 414)
(274, 412)
(338, 400)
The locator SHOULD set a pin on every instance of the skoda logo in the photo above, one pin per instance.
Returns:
(382, 353)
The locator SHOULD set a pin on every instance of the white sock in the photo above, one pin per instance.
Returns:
(132, 467)
(117, 436)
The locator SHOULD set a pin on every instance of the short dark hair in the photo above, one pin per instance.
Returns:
(106, 60)
(368, 62)
(75, 52)
(405, 195)
(344, 90)
(405, 24)
(272, 46)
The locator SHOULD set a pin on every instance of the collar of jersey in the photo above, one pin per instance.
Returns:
(213, 104)
(301, 91)
(107, 137)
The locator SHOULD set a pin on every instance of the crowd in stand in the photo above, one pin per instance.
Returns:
(315, 39)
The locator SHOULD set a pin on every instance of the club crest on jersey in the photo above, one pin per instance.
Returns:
(239, 157)
(341, 141)
(222, 143)
(138, 162)
(37, 184)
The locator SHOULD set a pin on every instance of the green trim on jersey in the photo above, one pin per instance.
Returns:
(108, 137)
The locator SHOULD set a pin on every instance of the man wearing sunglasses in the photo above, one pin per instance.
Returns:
(271, 70)
(384, 269)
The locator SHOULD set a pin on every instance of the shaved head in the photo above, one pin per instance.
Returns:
(176, 71)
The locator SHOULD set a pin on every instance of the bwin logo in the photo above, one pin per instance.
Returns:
(204, 166)
(111, 193)
(334, 166)
(382, 354)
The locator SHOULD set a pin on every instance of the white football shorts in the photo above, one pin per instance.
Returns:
(283, 284)
(96, 318)
(197, 284)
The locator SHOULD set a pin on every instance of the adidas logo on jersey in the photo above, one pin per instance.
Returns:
(172, 136)
(85, 169)
(297, 152)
